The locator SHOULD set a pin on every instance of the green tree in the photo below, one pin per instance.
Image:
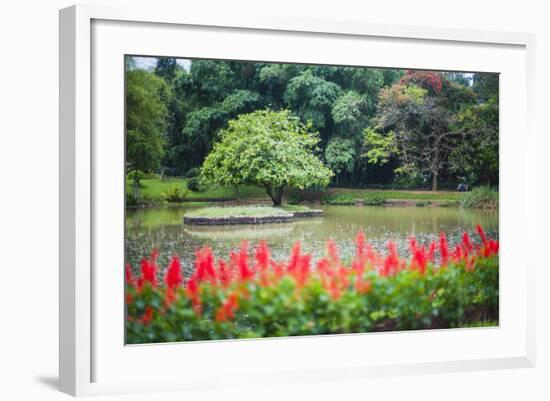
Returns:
(200, 130)
(312, 98)
(349, 114)
(270, 149)
(145, 120)
(167, 68)
(340, 154)
(420, 110)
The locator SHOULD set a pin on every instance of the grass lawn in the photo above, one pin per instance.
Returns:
(399, 195)
(235, 211)
(152, 190)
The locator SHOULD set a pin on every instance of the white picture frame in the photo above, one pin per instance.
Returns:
(88, 361)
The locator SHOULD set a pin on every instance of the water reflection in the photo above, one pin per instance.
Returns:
(162, 228)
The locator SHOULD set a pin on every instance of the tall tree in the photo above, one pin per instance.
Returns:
(419, 111)
(270, 149)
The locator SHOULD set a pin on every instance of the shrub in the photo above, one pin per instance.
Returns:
(293, 199)
(130, 199)
(337, 199)
(373, 200)
(193, 184)
(175, 194)
(480, 198)
(448, 203)
(136, 176)
(193, 172)
(239, 298)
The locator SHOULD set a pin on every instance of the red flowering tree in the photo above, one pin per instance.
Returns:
(418, 113)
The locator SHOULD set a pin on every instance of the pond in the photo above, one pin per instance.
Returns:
(162, 228)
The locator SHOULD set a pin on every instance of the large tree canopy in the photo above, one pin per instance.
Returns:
(270, 149)
(376, 126)
(145, 120)
(419, 112)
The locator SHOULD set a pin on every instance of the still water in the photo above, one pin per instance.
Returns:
(162, 229)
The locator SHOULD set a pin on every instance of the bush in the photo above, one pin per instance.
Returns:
(373, 200)
(480, 198)
(193, 172)
(193, 184)
(337, 199)
(293, 199)
(448, 203)
(136, 175)
(130, 199)
(238, 298)
(175, 194)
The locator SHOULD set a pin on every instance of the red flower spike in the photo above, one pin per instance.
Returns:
(224, 273)
(294, 257)
(481, 234)
(173, 277)
(148, 316)
(391, 263)
(227, 310)
(332, 251)
(129, 298)
(443, 249)
(129, 277)
(245, 272)
(149, 271)
(431, 252)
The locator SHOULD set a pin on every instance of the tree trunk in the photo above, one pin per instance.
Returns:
(275, 195)
(237, 192)
(434, 182)
(135, 188)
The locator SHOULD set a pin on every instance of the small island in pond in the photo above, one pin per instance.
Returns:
(214, 216)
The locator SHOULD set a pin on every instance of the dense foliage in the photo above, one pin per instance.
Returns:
(273, 150)
(407, 129)
(436, 287)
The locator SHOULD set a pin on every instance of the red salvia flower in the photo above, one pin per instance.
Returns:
(431, 252)
(245, 272)
(391, 263)
(227, 310)
(262, 262)
(148, 272)
(173, 277)
(148, 316)
(412, 244)
(129, 298)
(294, 257)
(457, 255)
(443, 249)
(332, 251)
(224, 274)
(204, 265)
(303, 271)
(193, 292)
(419, 260)
(467, 245)
(481, 234)
(169, 296)
(129, 277)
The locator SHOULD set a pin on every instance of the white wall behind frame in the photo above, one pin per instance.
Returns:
(114, 39)
(29, 145)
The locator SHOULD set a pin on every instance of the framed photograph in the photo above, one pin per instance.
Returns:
(233, 192)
